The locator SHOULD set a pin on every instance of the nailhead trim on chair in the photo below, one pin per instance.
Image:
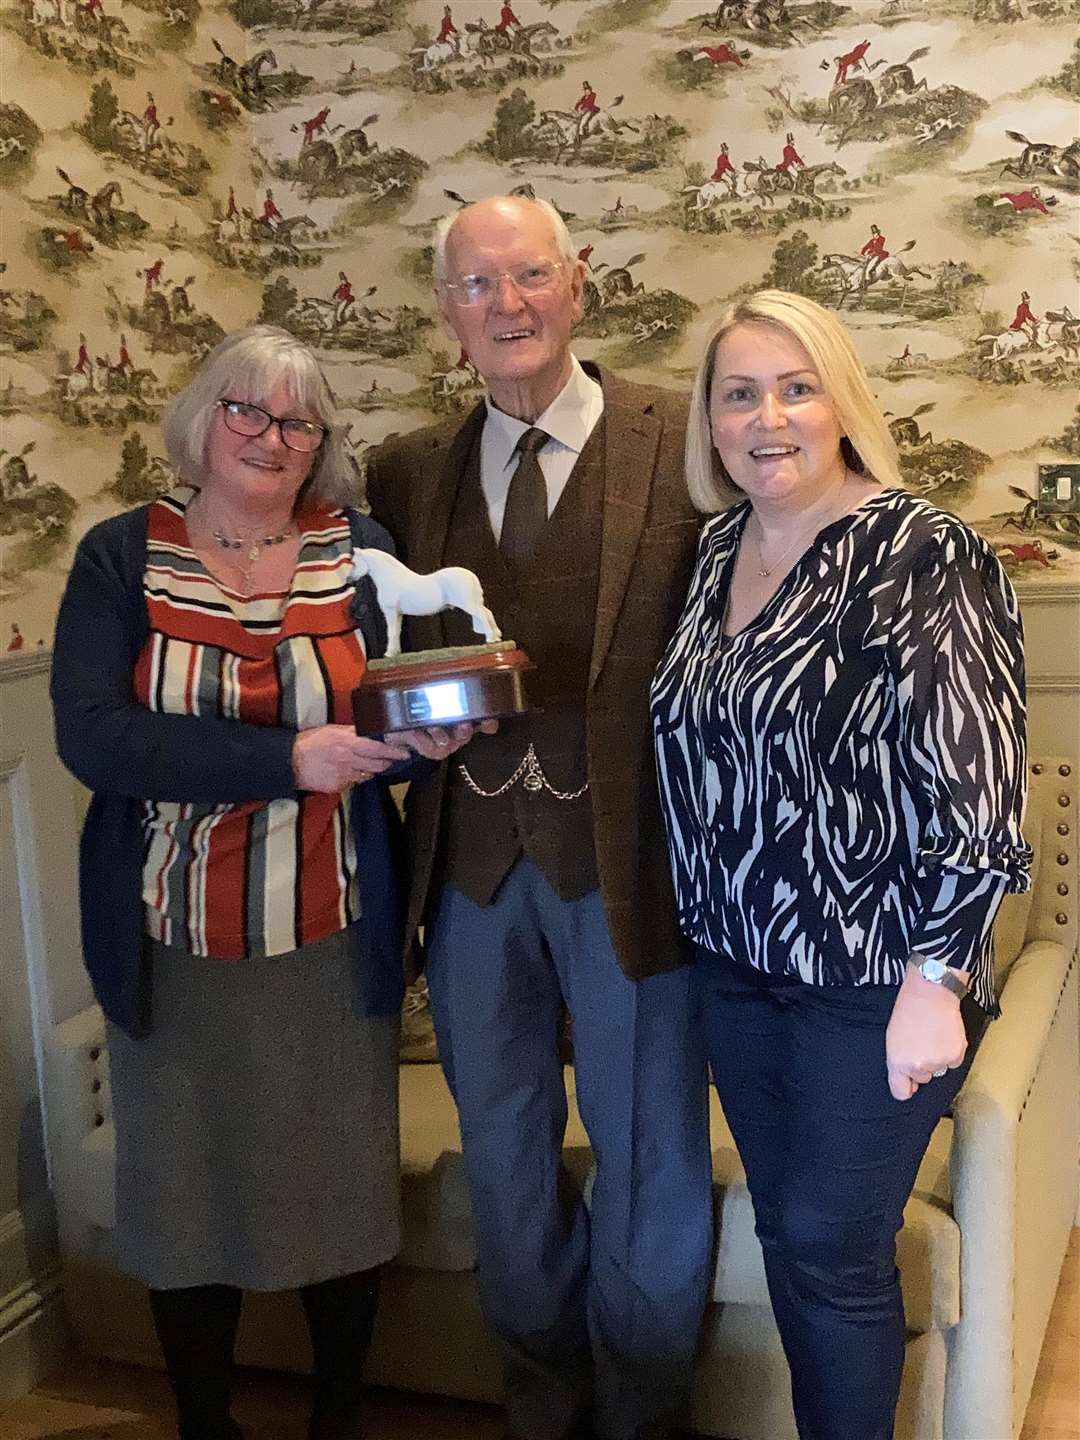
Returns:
(1053, 1022)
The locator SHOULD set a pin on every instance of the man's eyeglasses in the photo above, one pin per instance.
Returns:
(251, 420)
(530, 278)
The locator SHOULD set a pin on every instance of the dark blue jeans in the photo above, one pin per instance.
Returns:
(830, 1159)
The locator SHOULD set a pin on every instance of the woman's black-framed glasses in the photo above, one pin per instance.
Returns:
(252, 420)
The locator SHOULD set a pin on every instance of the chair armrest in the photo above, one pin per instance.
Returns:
(1013, 1161)
(79, 1092)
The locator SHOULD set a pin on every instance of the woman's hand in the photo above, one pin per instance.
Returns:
(437, 742)
(925, 1035)
(329, 758)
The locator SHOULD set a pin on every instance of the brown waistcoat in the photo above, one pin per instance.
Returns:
(548, 606)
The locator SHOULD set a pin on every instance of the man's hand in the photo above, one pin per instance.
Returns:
(329, 758)
(436, 742)
(925, 1035)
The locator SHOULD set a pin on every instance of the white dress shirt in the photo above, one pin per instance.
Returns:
(570, 419)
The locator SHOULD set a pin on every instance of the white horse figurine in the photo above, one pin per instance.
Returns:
(402, 591)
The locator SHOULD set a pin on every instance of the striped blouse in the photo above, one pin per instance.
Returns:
(843, 779)
(235, 881)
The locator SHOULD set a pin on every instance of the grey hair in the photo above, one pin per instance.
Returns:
(564, 244)
(247, 365)
(867, 446)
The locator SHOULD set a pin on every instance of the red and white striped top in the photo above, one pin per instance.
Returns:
(237, 881)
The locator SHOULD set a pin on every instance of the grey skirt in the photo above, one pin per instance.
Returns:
(256, 1125)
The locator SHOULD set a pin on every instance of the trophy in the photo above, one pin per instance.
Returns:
(434, 687)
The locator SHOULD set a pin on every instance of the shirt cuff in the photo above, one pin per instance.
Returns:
(954, 920)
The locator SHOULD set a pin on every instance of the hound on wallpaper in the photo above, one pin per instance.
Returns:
(620, 307)
(943, 470)
(337, 158)
(884, 97)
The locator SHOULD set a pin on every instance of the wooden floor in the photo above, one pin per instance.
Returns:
(92, 1400)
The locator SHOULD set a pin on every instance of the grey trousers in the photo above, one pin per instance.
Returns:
(598, 1309)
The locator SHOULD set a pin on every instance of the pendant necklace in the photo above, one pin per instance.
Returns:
(253, 548)
(766, 570)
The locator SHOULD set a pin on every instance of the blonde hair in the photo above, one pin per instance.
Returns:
(246, 366)
(445, 225)
(866, 444)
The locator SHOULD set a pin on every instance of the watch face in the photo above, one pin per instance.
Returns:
(932, 969)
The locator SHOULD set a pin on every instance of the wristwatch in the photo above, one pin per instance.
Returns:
(938, 973)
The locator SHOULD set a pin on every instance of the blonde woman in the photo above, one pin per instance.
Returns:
(839, 725)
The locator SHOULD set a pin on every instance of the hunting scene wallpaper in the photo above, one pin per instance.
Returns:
(173, 170)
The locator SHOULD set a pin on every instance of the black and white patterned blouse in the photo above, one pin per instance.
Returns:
(843, 779)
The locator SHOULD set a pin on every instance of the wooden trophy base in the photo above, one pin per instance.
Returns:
(441, 687)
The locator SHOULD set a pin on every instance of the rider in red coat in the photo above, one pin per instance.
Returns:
(1023, 314)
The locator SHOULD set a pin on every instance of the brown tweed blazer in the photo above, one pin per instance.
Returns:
(647, 551)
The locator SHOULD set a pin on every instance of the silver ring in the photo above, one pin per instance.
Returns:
(938, 1073)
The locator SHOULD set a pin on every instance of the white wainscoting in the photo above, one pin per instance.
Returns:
(37, 858)
(1052, 628)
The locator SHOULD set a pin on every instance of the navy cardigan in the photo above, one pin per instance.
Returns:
(126, 754)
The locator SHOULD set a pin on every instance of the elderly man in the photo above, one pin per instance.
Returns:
(539, 866)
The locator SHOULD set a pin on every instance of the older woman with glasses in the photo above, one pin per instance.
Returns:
(239, 916)
(840, 739)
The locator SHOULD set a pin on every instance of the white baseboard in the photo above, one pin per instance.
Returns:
(34, 1333)
(34, 1337)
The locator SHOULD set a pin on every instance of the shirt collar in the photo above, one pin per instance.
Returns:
(566, 419)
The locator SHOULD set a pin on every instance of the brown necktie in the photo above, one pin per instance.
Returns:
(526, 500)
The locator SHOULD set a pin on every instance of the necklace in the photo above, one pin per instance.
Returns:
(766, 570)
(252, 546)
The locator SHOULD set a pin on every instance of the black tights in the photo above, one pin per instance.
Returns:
(196, 1328)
